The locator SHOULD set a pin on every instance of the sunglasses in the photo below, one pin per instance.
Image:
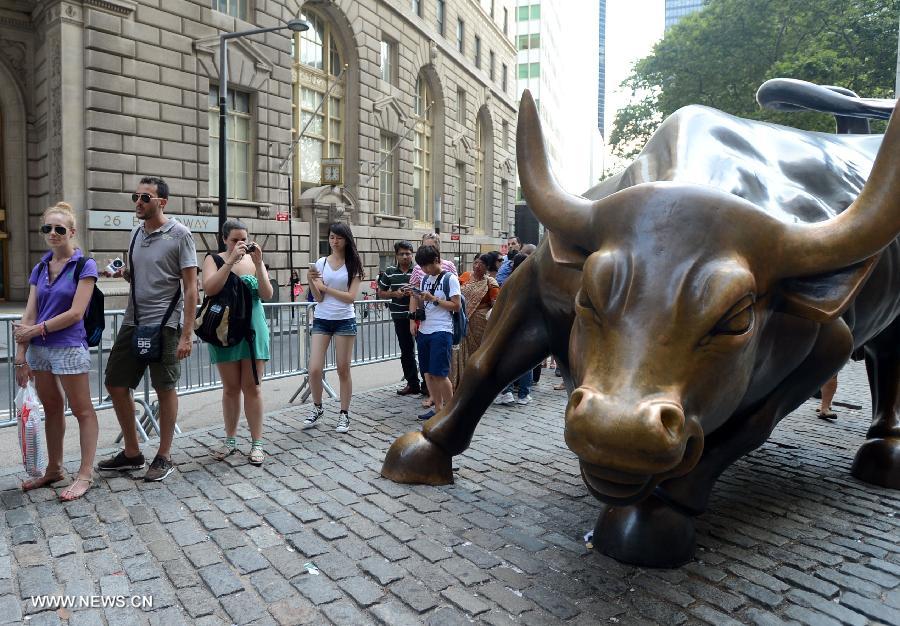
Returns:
(145, 197)
(59, 230)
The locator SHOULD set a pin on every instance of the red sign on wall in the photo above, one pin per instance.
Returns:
(454, 237)
(282, 217)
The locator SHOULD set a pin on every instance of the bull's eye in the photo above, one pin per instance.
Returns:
(738, 320)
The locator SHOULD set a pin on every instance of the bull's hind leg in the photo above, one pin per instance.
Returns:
(517, 333)
(878, 460)
(659, 531)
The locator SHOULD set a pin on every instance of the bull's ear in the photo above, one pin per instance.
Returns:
(824, 297)
(566, 253)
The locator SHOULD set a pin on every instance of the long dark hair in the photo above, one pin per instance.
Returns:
(351, 256)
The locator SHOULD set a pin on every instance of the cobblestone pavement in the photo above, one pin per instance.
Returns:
(790, 536)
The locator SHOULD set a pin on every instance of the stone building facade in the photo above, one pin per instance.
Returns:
(413, 101)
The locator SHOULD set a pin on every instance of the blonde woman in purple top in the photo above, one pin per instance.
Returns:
(51, 348)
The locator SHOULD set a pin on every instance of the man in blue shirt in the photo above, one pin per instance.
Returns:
(513, 245)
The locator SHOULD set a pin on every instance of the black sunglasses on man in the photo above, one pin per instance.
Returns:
(145, 197)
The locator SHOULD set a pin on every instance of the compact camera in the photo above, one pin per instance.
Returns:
(115, 265)
(251, 247)
(418, 315)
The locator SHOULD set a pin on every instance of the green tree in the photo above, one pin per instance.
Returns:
(721, 55)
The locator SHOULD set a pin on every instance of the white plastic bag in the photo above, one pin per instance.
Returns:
(31, 430)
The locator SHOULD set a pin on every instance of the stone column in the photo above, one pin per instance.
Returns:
(65, 96)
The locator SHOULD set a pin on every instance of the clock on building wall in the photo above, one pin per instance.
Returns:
(332, 171)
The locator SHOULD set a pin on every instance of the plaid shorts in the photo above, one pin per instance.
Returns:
(58, 360)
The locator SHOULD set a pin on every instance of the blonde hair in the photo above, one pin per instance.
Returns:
(61, 208)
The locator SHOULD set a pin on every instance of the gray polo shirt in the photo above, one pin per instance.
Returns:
(159, 258)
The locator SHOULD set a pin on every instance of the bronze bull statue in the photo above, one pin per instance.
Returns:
(692, 301)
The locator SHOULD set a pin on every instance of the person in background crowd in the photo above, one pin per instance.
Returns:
(415, 280)
(51, 347)
(334, 281)
(244, 259)
(494, 261)
(163, 281)
(524, 381)
(828, 390)
(390, 284)
(434, 336)
(513, 246)
(479, 291)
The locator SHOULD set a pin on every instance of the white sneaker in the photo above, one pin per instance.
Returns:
(313, 419)
(505, 398)
(343, 424)
(524, 400)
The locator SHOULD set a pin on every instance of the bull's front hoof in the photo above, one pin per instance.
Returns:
(878, 462)
(412, 459)
(649, 534)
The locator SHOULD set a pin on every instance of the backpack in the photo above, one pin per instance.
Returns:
(460, 319)
(94, 318)
(224, 320)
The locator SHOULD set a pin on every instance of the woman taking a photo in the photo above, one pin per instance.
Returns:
(334, 282)
(244, 259)
(51, 347)
(479, 291)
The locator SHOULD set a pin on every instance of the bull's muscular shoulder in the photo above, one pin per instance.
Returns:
(794, 175)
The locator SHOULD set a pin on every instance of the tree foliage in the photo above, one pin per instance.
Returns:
(721, 55)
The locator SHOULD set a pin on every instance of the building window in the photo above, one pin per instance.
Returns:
(505, 21)
(522, 14)
(387, 176)
(535, 11)
(493, 58)
(234, 8)
(460, 35)
(528, 42)
(461, 106)
(506, 135)
(461, 193)
(417, 7)
(477, 51)
(388, 62)
(480, 195)
(317, 65)
(237, 132)
(441, 15)
(504, 205)
(529, 70)
(503, 81)
(422, 209)
(492, 9)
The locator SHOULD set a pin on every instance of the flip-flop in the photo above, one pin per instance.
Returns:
(826, 415)
(37, 483)
(68, 490)
(559, 387)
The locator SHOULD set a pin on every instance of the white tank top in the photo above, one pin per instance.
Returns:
(331, 308)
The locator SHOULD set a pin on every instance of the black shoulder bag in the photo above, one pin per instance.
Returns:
(146, 343)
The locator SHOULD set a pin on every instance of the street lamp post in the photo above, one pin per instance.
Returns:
(296, 26)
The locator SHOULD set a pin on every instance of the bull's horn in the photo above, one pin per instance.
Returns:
(862, 230)
(558, 210)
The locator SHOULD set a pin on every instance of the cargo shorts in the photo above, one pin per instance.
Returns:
(124, 369)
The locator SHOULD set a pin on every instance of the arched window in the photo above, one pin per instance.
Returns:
(422, 206)
(317, 67)
(481, 216)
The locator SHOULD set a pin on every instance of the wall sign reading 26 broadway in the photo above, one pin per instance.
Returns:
(126, 220)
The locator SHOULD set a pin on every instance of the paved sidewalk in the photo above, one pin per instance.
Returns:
(317, 536)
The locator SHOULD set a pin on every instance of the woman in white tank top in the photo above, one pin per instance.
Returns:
(334, 282)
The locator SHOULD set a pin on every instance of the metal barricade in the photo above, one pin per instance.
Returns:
(289, 324)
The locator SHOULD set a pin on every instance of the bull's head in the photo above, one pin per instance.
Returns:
(678, 285)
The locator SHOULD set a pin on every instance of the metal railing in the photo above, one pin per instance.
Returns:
(290, 324)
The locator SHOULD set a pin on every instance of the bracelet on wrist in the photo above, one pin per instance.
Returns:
(23, 364)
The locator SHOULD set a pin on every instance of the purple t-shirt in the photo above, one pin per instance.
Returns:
(56, 297)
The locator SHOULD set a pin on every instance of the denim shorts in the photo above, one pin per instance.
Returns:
(434, 353)
(59, 360)
(345, 327)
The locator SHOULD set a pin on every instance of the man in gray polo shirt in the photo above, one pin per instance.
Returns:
(163, 269)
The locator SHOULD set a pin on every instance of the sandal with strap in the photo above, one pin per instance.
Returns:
(827, 414)
(42, 481)
(224, 449)
(257, 455)
(69, 493)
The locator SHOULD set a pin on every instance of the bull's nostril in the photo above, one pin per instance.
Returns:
(672, 418)
(576, 398)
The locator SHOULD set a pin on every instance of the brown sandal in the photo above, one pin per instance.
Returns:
(42, 481)
(67, 495)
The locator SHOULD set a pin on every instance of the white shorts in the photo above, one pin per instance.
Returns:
(60, 361)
